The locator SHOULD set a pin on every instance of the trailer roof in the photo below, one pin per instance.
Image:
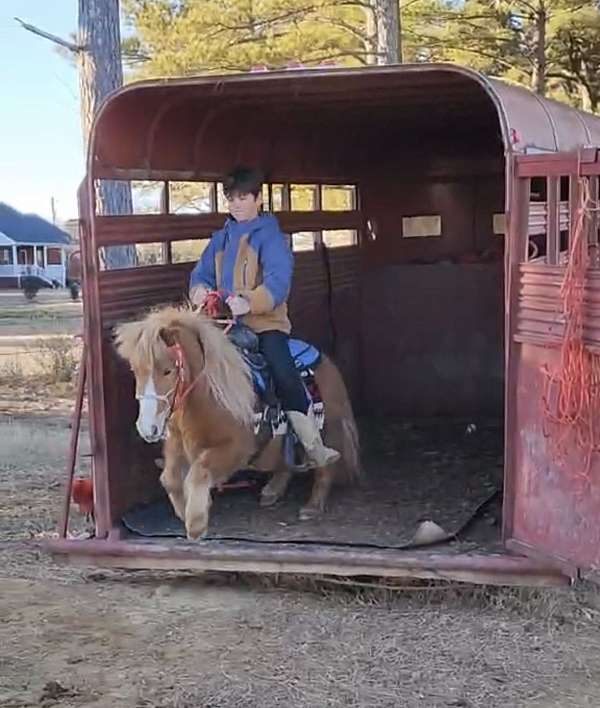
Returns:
(152, 128)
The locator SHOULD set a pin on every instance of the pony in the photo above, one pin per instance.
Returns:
(195, 392)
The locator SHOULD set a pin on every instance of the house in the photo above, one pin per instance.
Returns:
(30, 245)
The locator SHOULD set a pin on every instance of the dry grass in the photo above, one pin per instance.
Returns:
(142, 639)
(51, 360)
(25, 445)
(59, 360)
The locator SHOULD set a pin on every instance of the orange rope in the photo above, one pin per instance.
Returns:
(571, 397)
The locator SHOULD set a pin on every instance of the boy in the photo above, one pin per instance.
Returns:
(249, 258)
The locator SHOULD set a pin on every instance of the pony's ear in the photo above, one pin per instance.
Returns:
(169, 335)
(127, 337)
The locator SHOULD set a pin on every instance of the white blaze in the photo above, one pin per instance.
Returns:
(148, 423)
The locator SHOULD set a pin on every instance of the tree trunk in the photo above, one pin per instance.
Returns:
(387, 22)
(538, 76)
(100, 73)
(370, 42)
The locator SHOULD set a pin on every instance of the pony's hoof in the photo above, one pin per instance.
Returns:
(267, 500)
(196, 532)
(197, 537)
(308, 513)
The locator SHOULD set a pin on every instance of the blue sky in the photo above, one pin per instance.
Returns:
(41, 152)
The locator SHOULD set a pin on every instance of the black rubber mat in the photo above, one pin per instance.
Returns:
(434, 472)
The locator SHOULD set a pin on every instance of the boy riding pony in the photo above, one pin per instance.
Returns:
(249, 258)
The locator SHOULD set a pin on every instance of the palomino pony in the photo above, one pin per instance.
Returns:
(195, 392)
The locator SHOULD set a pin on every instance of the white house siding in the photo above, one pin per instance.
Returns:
(8, 273)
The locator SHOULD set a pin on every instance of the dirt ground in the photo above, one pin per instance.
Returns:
(75, 637)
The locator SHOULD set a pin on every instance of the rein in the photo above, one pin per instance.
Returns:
(214, 308)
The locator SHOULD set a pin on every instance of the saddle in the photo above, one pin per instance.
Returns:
(306, 358)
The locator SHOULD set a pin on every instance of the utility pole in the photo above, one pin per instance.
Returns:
(98, 54)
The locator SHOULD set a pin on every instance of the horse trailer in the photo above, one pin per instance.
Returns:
(436, 217)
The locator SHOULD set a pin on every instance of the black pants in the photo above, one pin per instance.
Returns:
(290, 390)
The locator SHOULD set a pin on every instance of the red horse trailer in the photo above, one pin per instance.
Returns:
(433, 214)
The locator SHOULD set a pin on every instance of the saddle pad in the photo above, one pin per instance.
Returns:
(305, 355)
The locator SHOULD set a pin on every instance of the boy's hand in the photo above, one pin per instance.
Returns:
(198, 295)
(238, 305)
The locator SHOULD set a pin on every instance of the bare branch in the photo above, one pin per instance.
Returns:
(75, 48)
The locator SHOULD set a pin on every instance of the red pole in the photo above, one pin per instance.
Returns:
(75, 426)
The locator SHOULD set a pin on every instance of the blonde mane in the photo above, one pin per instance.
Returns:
(226, 373)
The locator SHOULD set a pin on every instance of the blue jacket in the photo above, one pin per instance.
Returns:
(253, 259)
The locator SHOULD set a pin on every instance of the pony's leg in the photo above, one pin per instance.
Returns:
(197, 500)
(274, 490)
(172, 474)
(271, 460)
(210, 467)
(318, 497)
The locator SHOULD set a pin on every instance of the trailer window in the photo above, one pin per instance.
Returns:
(303, 241)
(421, 226)
(338, 197)
(499, 224)
(149, 254)
(222, 206)
(5, 255)
(123, 189)
(188, 251)
(192, 197)
(305, 197)
(147, 197)
(339, 238)
(279, 197)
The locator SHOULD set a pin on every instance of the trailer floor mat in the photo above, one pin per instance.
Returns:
(424, 483)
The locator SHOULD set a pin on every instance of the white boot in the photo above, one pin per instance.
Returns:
(305, 427)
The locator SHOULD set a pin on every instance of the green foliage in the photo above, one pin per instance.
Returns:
(552, 46)
(191, 37)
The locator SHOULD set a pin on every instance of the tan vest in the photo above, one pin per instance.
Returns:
(247, 281)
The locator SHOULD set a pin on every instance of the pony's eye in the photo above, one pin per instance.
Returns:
(166, 372)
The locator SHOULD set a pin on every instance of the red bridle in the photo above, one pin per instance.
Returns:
(182, 389)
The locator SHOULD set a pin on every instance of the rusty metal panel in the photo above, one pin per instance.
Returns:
(432, 340)
(327, 313)
(538, 217)
(131, 292)
(483, 568)
(387, 201)
(539, 317)
(556, 508)
(150, 228)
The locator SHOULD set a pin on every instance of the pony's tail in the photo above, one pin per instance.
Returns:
(351, 471)
(341, 431)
